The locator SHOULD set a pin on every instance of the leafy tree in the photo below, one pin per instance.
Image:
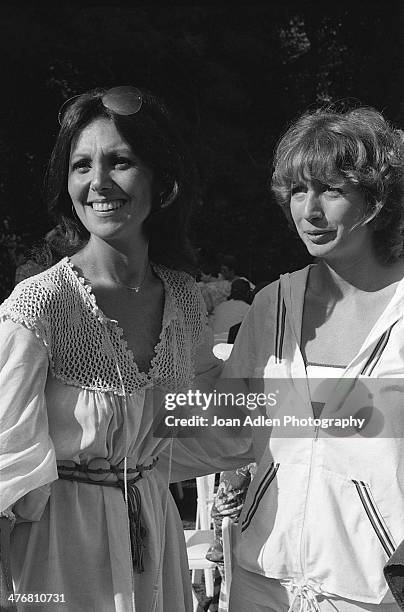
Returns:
(235, 76)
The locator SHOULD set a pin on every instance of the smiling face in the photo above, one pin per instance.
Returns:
(326, 219)
(111, 189)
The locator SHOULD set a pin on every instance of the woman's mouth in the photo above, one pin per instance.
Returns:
(320, 237)
(107, 205)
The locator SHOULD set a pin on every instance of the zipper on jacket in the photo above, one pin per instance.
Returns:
(306, 503)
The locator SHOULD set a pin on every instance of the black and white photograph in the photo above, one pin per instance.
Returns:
(202, 306)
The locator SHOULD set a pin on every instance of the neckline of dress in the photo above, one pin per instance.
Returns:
(376, 331)
(169, 314)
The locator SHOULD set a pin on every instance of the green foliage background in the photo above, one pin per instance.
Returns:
(235, 75)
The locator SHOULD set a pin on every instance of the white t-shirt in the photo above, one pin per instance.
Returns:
(227, 314)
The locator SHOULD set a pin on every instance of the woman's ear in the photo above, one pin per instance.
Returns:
(377, 218)
(166, 200)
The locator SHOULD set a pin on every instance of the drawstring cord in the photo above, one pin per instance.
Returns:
(125, 474)
(136, 529)
(133, 500)
(87, 474)
(306, 593)
(156, 587)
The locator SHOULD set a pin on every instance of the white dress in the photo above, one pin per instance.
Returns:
(70, 390)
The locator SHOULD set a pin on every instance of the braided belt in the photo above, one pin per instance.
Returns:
(101, 472)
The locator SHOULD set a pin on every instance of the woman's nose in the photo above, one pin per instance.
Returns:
(100, 180)
(312, 205)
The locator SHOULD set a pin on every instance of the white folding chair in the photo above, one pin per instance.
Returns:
(199, 540)
(229, 529)
(205, 488)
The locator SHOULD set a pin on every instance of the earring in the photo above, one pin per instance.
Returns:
(171, 197)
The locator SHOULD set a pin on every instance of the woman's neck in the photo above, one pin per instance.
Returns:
(104, 261)
(363, 274)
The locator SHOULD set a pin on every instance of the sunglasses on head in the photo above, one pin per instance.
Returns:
(124, 100)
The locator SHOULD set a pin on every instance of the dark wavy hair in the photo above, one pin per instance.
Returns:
(240, 290)
(358, 145)
(154, 138)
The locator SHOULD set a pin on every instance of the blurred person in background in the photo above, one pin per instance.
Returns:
(233, 331)
(214, 289)
(232, 311)
(229, 269)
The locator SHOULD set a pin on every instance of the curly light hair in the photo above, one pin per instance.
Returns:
(359, 146)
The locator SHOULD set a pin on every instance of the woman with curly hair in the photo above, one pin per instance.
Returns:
(325, 510)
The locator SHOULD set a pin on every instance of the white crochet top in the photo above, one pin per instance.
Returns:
(86, 349)
(71, 391)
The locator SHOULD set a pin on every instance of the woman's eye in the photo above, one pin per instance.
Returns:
(298, 189)
(332, 190)
(82, 165)
(122, 163)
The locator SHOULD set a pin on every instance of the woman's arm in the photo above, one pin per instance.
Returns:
(207, 450)
(27, 458)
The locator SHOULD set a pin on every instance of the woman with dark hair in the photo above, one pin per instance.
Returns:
(152, 134)
(325, 509)
(88, 349)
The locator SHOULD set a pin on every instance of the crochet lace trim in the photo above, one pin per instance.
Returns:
(87, 349)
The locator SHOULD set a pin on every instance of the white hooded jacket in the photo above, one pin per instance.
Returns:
(326, 508)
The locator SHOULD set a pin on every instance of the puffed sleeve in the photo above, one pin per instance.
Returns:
(211, 451)
(27, 457)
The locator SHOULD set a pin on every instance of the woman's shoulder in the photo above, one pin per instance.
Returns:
(181, 284)
(35, 296)
(187, 303)
(272, 289)
(269, 299)
(266, 294)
